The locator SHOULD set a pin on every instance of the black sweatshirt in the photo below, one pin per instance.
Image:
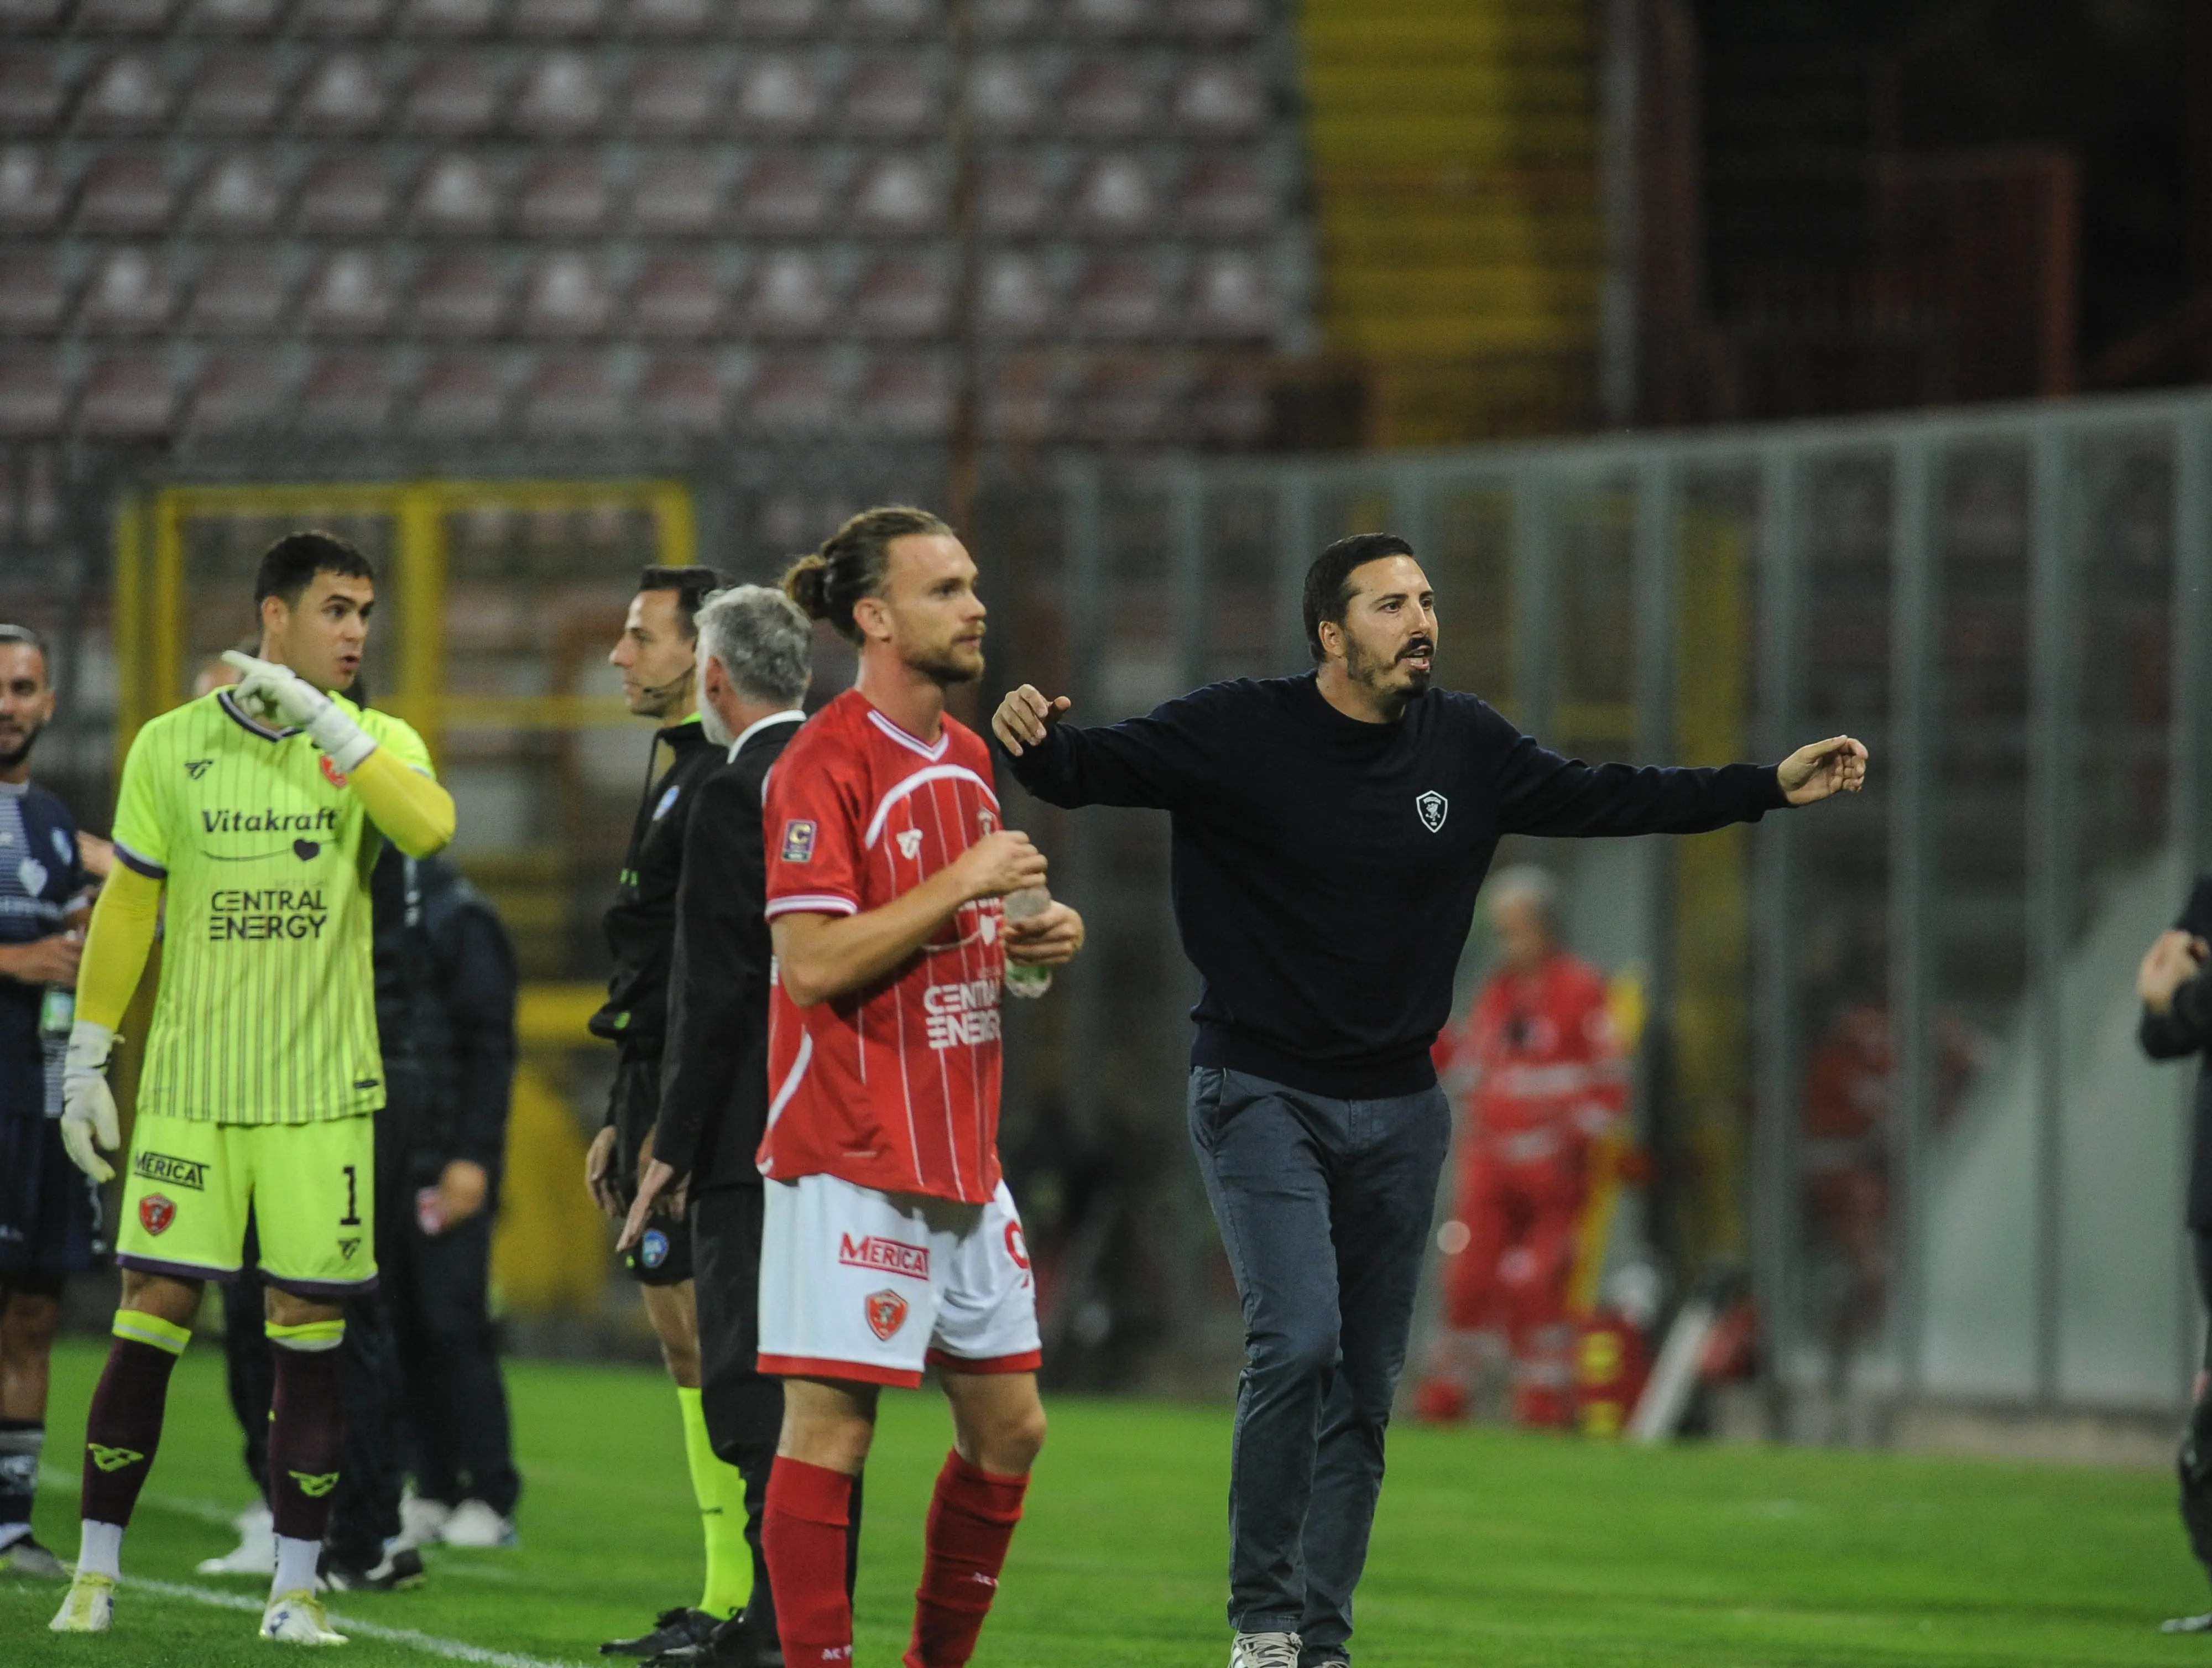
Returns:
(2186, 1028)
(714, 1075)
(1325, 870)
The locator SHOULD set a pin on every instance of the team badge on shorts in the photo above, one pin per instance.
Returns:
(886, 1314)
(799, 841)
(155, 1212)
(652, 1250)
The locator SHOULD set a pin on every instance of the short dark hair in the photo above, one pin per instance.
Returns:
(22, 636)
(692, 586)
(289, 566)
(853, 562)
(1328, 582)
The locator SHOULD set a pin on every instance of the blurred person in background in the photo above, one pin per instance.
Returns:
(658, 658)
(1537, 1071)
(51, 1219)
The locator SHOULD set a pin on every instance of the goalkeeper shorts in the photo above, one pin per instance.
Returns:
(311, 1188)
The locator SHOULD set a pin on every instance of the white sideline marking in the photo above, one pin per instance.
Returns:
(453, 1649)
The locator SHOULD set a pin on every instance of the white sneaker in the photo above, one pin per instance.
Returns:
(297, 1618)
(89, 1607)
(422, 1520)
(1264, 1651)
(256, 1551)
(473, 1523)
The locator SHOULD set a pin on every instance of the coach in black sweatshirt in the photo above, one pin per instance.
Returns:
(1330, 834)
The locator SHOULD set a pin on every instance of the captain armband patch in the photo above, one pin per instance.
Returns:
(797, 841)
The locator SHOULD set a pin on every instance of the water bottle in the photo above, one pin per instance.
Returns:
(1026, 905)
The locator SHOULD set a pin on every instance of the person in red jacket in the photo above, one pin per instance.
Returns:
(1537, 1072)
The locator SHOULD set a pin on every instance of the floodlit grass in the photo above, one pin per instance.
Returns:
(1493, 1549)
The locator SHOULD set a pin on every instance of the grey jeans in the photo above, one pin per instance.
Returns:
(1324, 1207)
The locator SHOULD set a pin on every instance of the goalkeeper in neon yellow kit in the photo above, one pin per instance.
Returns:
(258, 811)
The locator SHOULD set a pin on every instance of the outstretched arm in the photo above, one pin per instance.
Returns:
(1837, 765)
(1153, 763)
(413, 812)
(1541, 793)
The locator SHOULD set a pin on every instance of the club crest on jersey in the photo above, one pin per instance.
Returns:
(988, 822)
(331, 774)
(33, 873)
(1434, 808)
(63, 848)
(155, 1212)
(799, 841)
(910, 842)
(886, 1312)
(668, 800)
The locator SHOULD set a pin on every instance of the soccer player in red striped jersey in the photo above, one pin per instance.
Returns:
(891, 1240)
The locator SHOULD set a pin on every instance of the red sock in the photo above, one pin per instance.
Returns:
(803, 1534)
(971, 1521)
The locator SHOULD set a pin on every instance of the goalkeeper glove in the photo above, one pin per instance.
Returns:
(88, 1104)
(279, 693)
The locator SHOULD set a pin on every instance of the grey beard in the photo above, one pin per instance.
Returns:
(711, 721)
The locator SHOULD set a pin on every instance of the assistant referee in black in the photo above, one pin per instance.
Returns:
(1330, 833)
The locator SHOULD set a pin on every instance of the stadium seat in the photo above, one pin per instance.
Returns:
(677, 297)
(31, 292)
(1226, 197)
(125, 195)
(1230, 297)
(1220, 101)
(903, 19)
(566, 295)
(572, 397)
(778, 96)
(1119, 298)
(460, 296)
(1231, 405)
(238, 194)
(349, 295)
(126, 94)
(1015, 296)
(900, 196)
(240, 293)
(1015, 197)
(343, 97)
(1127, 400)
(460, 397)
(793, 397)
(789, 194)
(668, 17)
(560, 98)
(30, 190)
(127, 293)
(234, 93)
(1003, 20)
(31, 91)
(239, 391)
(1024, 400)
(1110, 17)
(902, 298)
(683, 395)
(21, 17)
(121, 17)
(31, 395)
(347, 393)
(451, 96)
(343, 198)
(681, 195)
(447, 17)
(791, 295)
(1107, 98)
(908, 398)
(563, 198)
(457, 197)
(126, 397)
(675, 97)
(557, 17)
(1006, 96)
(788, 18)
(336, 17)
(1215, 20)
(1116, 197)
(891, 99)
(232, 16)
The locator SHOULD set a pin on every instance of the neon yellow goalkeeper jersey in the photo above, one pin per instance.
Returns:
(266, 1012)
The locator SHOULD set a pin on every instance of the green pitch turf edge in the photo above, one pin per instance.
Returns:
(1490, 1549)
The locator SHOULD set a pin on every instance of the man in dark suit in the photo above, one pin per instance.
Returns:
(754, 653)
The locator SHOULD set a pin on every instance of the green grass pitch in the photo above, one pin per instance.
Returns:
(1492, 1550)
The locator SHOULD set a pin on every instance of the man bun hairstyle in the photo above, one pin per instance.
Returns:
(1328, 582)
(692, 586)
(852, 562)
(289, 566)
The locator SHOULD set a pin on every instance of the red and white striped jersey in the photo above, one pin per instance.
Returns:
(897, 1086)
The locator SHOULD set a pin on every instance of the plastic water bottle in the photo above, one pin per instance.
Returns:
(1026, 905)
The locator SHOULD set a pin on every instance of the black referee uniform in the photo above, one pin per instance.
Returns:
(713, 1111)
(1325, 873)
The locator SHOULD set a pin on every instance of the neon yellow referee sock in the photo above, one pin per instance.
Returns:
(720, 1490)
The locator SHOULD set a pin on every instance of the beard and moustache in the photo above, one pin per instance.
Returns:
(27, 737)
(1361, 667)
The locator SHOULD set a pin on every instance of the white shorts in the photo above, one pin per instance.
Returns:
(858, 1284)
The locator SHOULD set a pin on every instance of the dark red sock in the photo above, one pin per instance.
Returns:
(122, 1429)
(971, 1521)
(306, 1429)
(804, 1533)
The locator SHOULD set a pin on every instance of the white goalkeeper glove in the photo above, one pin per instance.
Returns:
(88, 1120)
(279, 693)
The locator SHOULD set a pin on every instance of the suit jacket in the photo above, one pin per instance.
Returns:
(2186, 1028)
(714, 1082)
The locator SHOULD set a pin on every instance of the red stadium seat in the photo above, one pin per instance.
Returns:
(1215, 20)
(1231, 296)
(240, 293)
(458, 197)
(1226, 197)
(447, 17)
(1016, 296)
(786, 194)
(1120, 299)
(128, 294)
(793, 397)
(1116, 197)
(236, 93)
(331, 17)
(791, 295)
(32, 292)
(460, 296)
(343, 97)
(899, 196)
(31, 395)
(1015, 197)
(903, 19)
(121, 17)
(1107, 98)
(460, 397)
(347, 393)
(30, 190)
(127, 95)
(1024, 401)
(1220, 101)
(676, 97)
(128, 397)
(343, 198)
(677, 297)
(778, 96)
(563, 198)
(572, 397)
(241, 390)
(349, 295)
(788, 18)
(31, 91)
(561, 97)
(566, 295)
(557, 17)
(682, 395)
(891, 99)
(239, 194)
(451, 96)
(905, 398)
(680, 195)
(1125, 400)
(125, 194)
(905, 299)
(668, 17)
(1005, 95)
